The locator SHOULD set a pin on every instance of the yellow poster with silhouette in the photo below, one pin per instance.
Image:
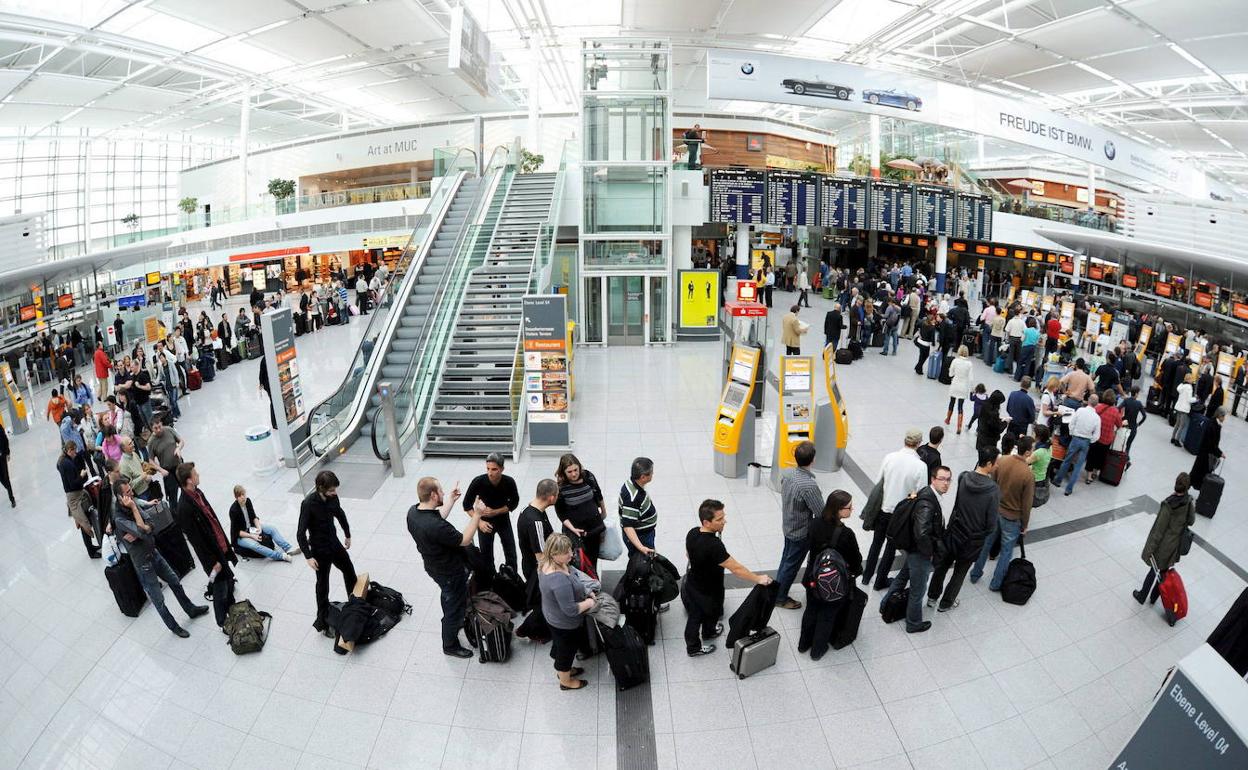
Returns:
(699, 299)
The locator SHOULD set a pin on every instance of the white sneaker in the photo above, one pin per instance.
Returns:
(294, 551)
(286, 557)
(931, 603)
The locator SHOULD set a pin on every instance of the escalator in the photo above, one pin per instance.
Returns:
(396, 324)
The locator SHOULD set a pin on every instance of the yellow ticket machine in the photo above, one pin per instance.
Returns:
(795, 418)
(831, 419)
(17, 405)
(734, 417)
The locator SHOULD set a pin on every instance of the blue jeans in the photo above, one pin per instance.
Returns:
(269, 553)
(1009, 532)
(1076, 456)
(171, 392)
(916, 572)
(644, 536)
(790, 561)
(151, 571)
(454, 606)
(889, 336)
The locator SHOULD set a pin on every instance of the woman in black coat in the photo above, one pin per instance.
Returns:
(1216, 398)
(1210, 448)
(821, 619)
(988, 433)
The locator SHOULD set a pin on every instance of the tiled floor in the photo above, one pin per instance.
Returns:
(1058, 683)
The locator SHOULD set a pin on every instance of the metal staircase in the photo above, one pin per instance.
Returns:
(472, 412)
(406, 339)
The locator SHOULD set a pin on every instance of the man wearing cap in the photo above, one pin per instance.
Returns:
(902, 474)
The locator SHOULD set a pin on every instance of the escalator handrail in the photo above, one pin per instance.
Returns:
(390, 320)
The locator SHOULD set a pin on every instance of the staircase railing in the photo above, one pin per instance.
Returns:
(543, 253)
(421, 378)
(332, 420)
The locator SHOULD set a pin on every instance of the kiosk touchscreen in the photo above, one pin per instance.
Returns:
(734, 418)
(831, 418)
(795, 420)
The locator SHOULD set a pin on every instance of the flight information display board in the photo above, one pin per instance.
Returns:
(892, 207)
(738, 195)
(792, 198)
(933, 210)
(843, 203)
(973, 219)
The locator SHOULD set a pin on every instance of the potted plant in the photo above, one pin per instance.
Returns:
(131, 221)
(282, 190)
(530, 161)
(188, 205)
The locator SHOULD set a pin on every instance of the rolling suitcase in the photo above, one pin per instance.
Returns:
(877, 339)
(626, 655)
(1195, 432)
(754, 653)
(207, 368)
(934, 364)
(193, 380)
(850, 619)
(1020, 578)
(1173, 594)
(123, 581)
(1210, 494)
(1115, 465)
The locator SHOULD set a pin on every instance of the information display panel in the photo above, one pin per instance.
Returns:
(973, 217)
(933, 210)
(891, 207)
(792, 198)
(738, 195)
(843, 203)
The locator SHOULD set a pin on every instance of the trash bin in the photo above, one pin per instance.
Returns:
(260, 442)
(754, 474)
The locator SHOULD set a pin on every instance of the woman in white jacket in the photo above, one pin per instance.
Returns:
(1182, 406)
(959, 384)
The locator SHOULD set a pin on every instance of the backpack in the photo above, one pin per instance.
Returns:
(387, 599)
(828, 577)
(246, 627)
(901, 525)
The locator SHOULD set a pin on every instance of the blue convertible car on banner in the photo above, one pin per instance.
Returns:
(893, 98)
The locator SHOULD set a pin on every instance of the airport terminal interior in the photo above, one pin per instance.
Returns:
(864, 377)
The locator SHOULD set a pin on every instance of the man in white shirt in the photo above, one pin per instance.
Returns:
(902, 473)
(1085, 427)
(1014, 334)
(361, 294)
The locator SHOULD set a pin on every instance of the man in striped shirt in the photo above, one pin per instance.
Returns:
(800, 501)
(637, 514)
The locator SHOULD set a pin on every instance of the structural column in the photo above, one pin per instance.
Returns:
(1091, 187)
(743, 251)
(874, 147)
(942, 261)
(682, 247)
(1074, 278)
(244, 129)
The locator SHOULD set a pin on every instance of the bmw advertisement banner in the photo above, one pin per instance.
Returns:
(761, 77)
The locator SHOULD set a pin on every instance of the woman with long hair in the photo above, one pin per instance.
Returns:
(581, 507)
(959, 384)
(821, 619)
(565, 600)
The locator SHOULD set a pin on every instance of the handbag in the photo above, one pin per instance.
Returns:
(159, 516)
(1041, 495)
(1185, 541)
(612, 546)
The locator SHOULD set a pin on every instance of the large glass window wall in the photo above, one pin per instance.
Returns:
(625, 65)
(55, 171)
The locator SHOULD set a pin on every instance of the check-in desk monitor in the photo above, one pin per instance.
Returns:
(831, 418)
(795, 419)
(734, 417)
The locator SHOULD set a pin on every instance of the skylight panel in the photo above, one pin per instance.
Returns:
(853, 21)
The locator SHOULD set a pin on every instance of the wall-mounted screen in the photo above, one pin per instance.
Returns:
(738, 195)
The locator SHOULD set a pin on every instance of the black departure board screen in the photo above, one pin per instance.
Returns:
(792, 198)
(933, 210)
(973, 219)
(843, 203)
(738, 195)
(892, 207)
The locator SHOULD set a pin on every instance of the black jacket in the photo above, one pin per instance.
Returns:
(990, 427)
(1170, 374)
(974, 514)
(838, 537)
(833, 323)
(753, 614)
(926, 532)
(200, 535)
(316, 524)
(1230, 638)
(240, 522)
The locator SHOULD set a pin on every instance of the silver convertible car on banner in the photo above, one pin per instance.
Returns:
(817, 87)
(893, 98)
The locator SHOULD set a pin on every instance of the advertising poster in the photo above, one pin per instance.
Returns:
(546, 374)
(763, 77)
(285, 387)
(761, 257)
(699, 298)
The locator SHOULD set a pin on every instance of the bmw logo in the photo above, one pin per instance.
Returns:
(747, 69)
(1109, 150)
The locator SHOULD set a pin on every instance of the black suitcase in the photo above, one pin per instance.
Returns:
(855, 349)
(849, 621)
(1020, 578)
(644, 623)
(877, 339)
(173, 547)
(125, 585)
(234, 356)
(844, 357)
(894, 607)
(207, 368)
(626, 655)
(1196, 424)
(1210, 495)
(1153, 403)
(492, 640)
(1115, 466)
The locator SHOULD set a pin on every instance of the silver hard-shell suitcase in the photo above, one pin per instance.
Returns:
(753, 653)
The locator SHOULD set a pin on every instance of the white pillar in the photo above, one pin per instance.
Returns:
(942, 261)
(743, 251)
(1091, 187)
(244, 128)
(533, 133)
(87, 155)
(682, 247)
(875, 146)
(1074, 277)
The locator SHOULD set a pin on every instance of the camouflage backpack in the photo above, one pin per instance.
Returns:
(247, 627)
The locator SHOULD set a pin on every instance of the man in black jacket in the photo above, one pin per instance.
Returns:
(318, 541)
(833, 323)
(4, 464)
(920, 532)
(1172, 371)
(974, 515)
(203, 531)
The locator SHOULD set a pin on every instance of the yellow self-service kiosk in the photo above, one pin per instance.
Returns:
(17, 405)
(795, 418)
(831, 419)
(734, 417)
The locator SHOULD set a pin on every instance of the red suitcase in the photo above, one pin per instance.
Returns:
(193, 380)
(1115, 466)
(1173, 595)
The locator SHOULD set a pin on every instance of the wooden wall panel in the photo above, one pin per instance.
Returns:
(775, 151)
